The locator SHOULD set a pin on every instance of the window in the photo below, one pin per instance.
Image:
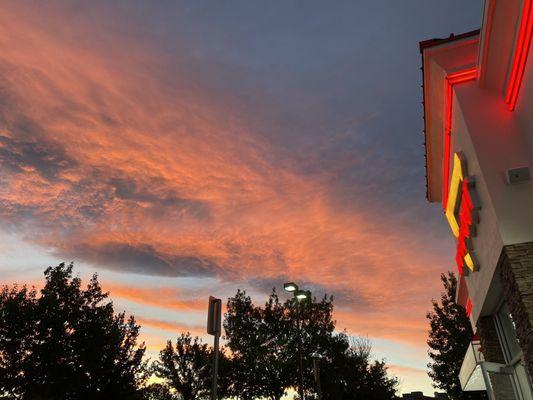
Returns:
(513, 353)
(507, 335)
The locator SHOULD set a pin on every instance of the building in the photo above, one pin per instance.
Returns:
(420, 396)
(478, 90)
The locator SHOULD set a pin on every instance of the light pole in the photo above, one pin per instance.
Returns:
(316, 370)
(298, 295)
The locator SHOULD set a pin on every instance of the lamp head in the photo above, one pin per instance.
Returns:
(290, 287)
(302, 294)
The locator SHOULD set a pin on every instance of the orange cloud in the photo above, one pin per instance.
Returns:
(404, 370)
(171, 326)
(163, 297)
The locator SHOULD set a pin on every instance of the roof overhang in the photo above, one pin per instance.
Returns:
(498, 53)
(443, 59)
(471, 374)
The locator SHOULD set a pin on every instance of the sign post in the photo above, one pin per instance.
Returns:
(214, 327)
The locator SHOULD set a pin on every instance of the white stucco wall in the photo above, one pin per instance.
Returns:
(493, 140)
(488, 242)
(500, 143)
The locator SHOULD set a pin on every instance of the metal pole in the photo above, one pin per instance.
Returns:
(301, 368)
(215, 368)
(316, 367)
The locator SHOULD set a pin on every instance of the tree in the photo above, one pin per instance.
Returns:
(347, 370)
(257, 338)
(450, 334)
(186, 367)
(67, 343)
(349, 373)
(158, 391)
(275, 360)
(246, 334)
(318, 338)
(17, 307)
(264, 340)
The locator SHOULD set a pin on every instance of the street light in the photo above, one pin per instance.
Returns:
(298, 295)
(290, 287)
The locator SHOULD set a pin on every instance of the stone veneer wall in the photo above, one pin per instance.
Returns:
(488, 337)
(516, 274)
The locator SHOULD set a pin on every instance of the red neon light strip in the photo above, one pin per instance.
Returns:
(469, 306)
(450, 81)
(520, 56)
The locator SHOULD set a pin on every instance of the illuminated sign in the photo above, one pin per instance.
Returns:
(462, 213)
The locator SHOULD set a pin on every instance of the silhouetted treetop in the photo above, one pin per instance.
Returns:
(67, 343)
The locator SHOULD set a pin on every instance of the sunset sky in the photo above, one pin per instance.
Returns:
(187, 149)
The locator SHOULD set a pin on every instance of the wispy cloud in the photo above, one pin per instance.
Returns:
(174, 327)
(163, 297)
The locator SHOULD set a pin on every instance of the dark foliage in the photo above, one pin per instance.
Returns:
(450, 334)
(258, 338)
(67, 343)
(263, 342)
(352, 375)
(186, 369)
(159, 391)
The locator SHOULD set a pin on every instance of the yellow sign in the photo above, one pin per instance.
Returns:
(458, 173)
(461, 213)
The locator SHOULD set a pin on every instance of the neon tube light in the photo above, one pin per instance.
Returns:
(523, 42)
(469, 307)
(450, 81)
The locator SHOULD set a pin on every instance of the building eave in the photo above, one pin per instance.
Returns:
(425, 45)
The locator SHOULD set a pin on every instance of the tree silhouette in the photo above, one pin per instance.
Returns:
(347, 370)
(257, 338)
(450, 334)
(186, 368)
(263, 342)
(159, 391)
(67, 343)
